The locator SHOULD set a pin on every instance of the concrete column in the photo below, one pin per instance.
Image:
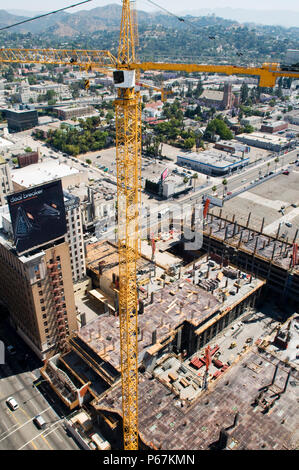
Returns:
(154, 337)
(256, 242)
(262, 226)
(226, 230)
(248, 220)
(278, 230)
(240, 240)
(179, 340)
(274, 246)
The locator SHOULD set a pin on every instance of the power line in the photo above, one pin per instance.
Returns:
(167, 11)
(45, 14)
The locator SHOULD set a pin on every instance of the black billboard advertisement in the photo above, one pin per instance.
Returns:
(37, 215)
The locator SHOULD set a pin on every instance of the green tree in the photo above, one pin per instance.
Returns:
(244, 93)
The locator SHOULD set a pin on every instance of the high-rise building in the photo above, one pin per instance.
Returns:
(35, 269)
(6, 186)
(74, 235)
(21, 119)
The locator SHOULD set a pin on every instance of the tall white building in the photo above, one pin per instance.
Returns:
(74, 235)
(6, 186)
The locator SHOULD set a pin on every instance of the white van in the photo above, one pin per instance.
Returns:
(39, 422)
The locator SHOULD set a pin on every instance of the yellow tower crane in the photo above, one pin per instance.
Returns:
(128, 159)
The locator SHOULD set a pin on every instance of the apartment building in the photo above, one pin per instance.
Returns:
(38, 292)
(35, 268)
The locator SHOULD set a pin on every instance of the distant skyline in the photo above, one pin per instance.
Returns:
(172, 5)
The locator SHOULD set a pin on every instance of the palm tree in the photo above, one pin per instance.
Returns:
(224, 182)
(195, 177)
(276, 161)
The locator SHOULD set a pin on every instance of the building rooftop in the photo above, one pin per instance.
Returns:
(180, 302)
(41, 172)
(213, 158)
(166, 422)
(253, 241)
(214, 95)
(260, 136)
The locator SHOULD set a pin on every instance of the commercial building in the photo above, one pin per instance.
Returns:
(74, 236)
(274, 126)
(6, 186)
(275, 143)
(27, 158)
(37, 290)
(68, 113)
(44, 171)
(211, 162)
(254, 121)
(21, 119)
(293, 117)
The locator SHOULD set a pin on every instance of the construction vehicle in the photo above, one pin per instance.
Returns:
(125, 70)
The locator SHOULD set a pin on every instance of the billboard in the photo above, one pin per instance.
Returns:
(37, 215)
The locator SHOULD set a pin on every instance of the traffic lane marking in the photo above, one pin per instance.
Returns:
(22, 424)
(38, 435)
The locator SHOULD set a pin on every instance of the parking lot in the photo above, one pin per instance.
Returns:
(266, 201)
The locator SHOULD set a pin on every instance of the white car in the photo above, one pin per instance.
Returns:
(12, 403)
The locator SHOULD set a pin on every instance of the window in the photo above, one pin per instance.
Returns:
(44, 315)
(43, 309)
(40, 292)
(45, 323)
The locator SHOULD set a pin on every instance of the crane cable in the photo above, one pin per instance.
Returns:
(45, 14)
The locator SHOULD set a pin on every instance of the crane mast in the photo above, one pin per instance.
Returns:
(128, 161)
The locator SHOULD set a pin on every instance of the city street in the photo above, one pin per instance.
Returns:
(17, 430)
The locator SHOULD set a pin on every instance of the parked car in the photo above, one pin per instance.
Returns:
(288, 224)
(39, 422)
(12, 403)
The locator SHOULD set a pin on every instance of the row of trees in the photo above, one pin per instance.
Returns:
(76, 141)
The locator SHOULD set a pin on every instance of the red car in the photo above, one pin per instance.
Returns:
(286, 172)
(229, 193)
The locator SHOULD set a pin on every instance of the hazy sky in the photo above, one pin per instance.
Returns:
(172, 5)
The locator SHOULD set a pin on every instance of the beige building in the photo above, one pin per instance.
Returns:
(38, 292)
(45, 171)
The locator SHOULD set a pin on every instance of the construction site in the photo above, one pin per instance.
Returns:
(273, 258)
(186, 349)
(209, 342)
